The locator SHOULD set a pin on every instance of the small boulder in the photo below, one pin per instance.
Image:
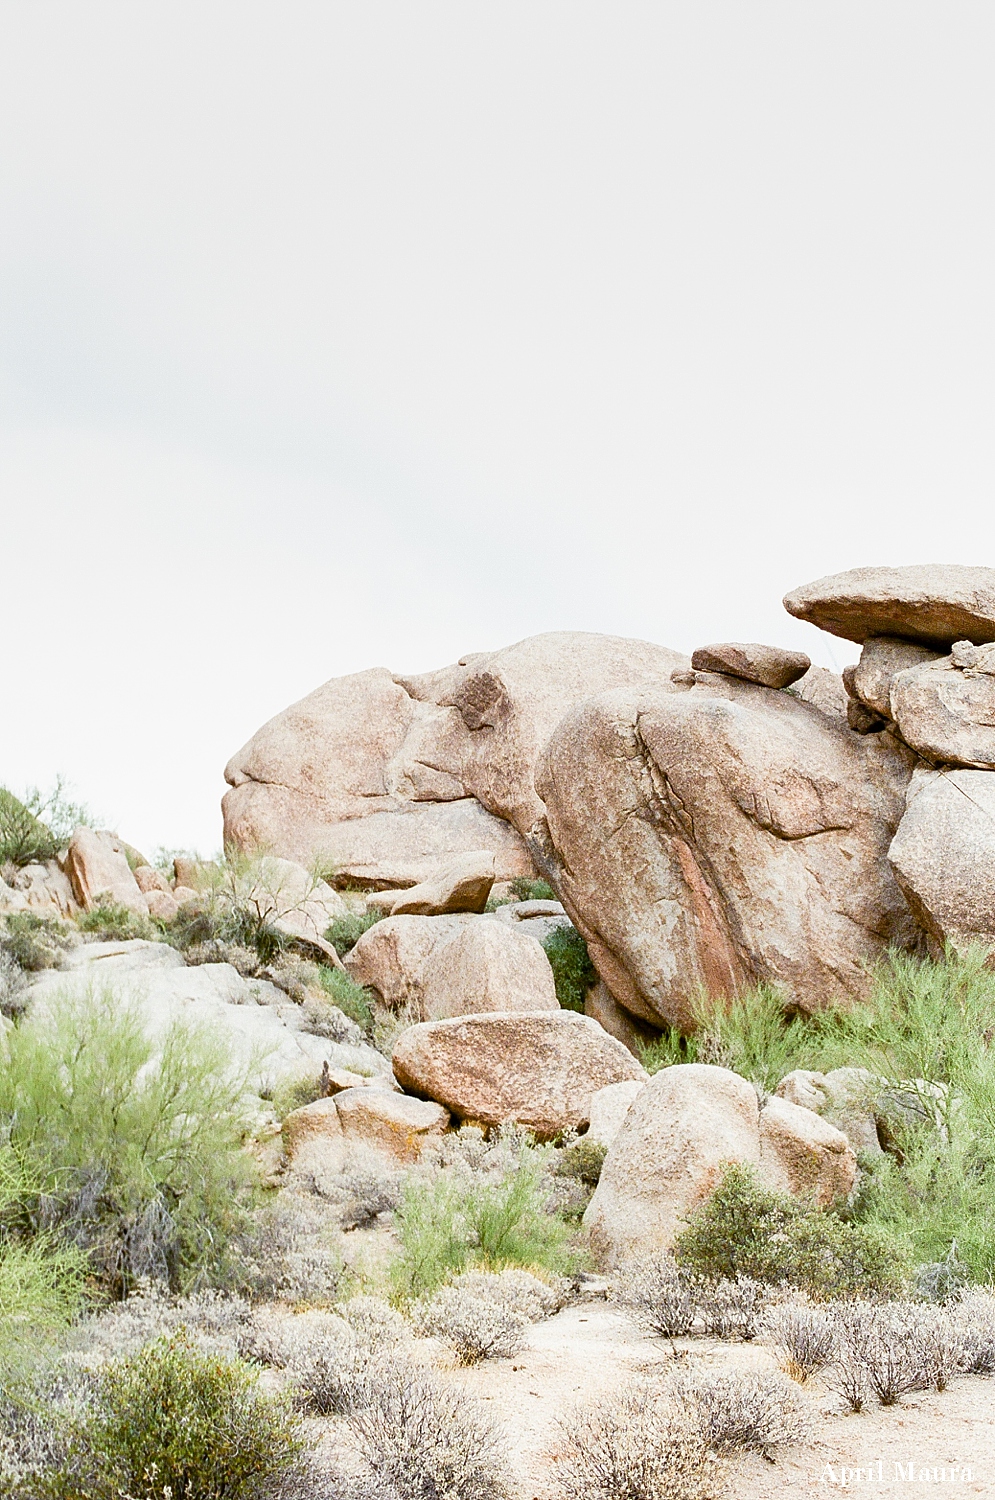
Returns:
(943, 855)
(392, 1122)
(487, 966)
(609, 1107)
(802, 1154)
(391, 957)
(317, 1121)
(932, 603)
(881, 659)
(540, 1070)
(946, 714)
(462, 884)
(844, 1096)
(184, 893)
(97, 866)
(162, 904)
(770, 666)
(148, 879)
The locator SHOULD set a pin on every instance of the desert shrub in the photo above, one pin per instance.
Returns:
(141, 1166)
(753, 1033)
(668, 1048)
(367, 1190)
(35, 943)
(659, 1294)
(803, 1337)
(24, 838)
(524, 889)
(216, 1322)
(526, 1294)
(634, 1445)
(41, 1280)
(572, 968)
(745, 1411)
(731, 1309)
(582, 1160)
(215, 951)
(476, 1327)
(428, 1441)
(172, 1420)
(974, 1314)
(746, 1229)
(891, 1348)
(294, 1093)
(292, 1250)
(345, 931)
(331, 1370)
(110, 922)
(349, 997)
(13, 987)
(375, 1323)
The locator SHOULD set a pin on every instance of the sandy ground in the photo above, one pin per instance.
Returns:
(591, 1349)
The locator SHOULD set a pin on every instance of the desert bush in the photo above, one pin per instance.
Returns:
(524, 889)
(291, 1250)
(521, 1291)
(659, 1294)
(216, 1322)
(746, 1229)
(41, 1280)
(331, 1370)
(345, 931)
(215, 951)
(35, 943)
(366, 1190)
(875, 1354)
(670, 1047)
(375, 1323)
(13, 987)
(634, 1446)
(802, 1336)
(350, 998)
(974, 1313)
(745, 1411)
(753, 1034)
(141, 1166)
(573, 970)
(476, 1327)
(731, 1309)
(24, 838)
(428, 1441)
(582, 1160)
(110, 922)
(172, 1420)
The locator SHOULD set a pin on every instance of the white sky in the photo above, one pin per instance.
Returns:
(342, 335)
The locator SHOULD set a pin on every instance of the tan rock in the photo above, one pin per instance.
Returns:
(683, 1130)
(770, 666)
(463, 884)
(391, 1122)
(609, 1108)
(846, 1097)
(147, 879)
(804, 1155)
(487, 966)
(43, 889)
(538, 1069)
(184, 893)
(943, 855)
(319, 1120)
(932, 603)
(97, 866)
(162, 904)
(824, 690)
(881, 658)
(946, 714)
(190, 873)
(721, 836)
(601, 1005)
(390, 957)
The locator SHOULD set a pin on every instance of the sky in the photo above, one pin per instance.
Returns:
(372, 334)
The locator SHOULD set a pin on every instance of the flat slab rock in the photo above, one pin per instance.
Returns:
(770, 666)
(933, 603)
(540, 1070)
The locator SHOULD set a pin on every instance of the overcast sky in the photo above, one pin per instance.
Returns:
(340, 335)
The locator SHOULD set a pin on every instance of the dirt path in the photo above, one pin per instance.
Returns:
(590, 1350)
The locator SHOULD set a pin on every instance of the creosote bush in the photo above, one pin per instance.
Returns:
(476, 1327)
(804, 1337)
(746, 1229)
(425, 1440)
(745, 1411)
(582, 1160)
(673, 1302)
(572, 968)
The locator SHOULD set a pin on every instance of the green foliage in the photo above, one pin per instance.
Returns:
(524, 889)
(351, 998)
(24, 839)
(753, 1034)
(41, 1280)
(34, 942)
(572, 968)
(667, 1049)
(294, 1093)
(173, 1421)
(581, 1160)
(59, 813)
(136, 1146)
(110, 922)
(450, 1224)
(345, 931)
(746, 1229)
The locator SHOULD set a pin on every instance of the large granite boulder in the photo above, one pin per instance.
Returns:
(932, 603)
(882, 658)
(943, 855)
(487, 966)
(540, 1070)
(391, 956)
(719, 836)
(678, 1137)
(946, 714)
(463, 884)
(98, 868)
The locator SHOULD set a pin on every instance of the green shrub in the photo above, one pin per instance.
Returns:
(667, 1049)
(448, 1225)
(746, 1229)
(753, 1034)
(351, 998)
(581, 1160)
(294, 1093)
(136, 1146)
(572, 968)
(173, 1421)
(24, 838)
(524, 889)
(110, 922)
(345, 931)
(41, 1280)
(35, 942)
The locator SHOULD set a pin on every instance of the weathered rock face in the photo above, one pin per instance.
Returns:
(391, 1122)
(391, 956)
(600, 1004)
(770, 666)
(540, 1070)
(487, 966)
(933, 603)
(946, 714)
(846, 1097)
(719, 836)
(97, 866)
(678, 1137)
(463, 884)
(881, 659)
(609, 1107)
(43, 889)
(943, 855)
(385, 779)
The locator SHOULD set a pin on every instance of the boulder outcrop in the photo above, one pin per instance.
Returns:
(770, 666)
(540, 1070)
(946, 713)
(943, 855)
(394, 1123)
(486, 966)
(463, 884)
(97, 866)
(932, 603)
(881, 659)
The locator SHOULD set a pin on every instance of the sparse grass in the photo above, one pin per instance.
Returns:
(110, 922)
(351, 998)
(345, 932)
(572, 968)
